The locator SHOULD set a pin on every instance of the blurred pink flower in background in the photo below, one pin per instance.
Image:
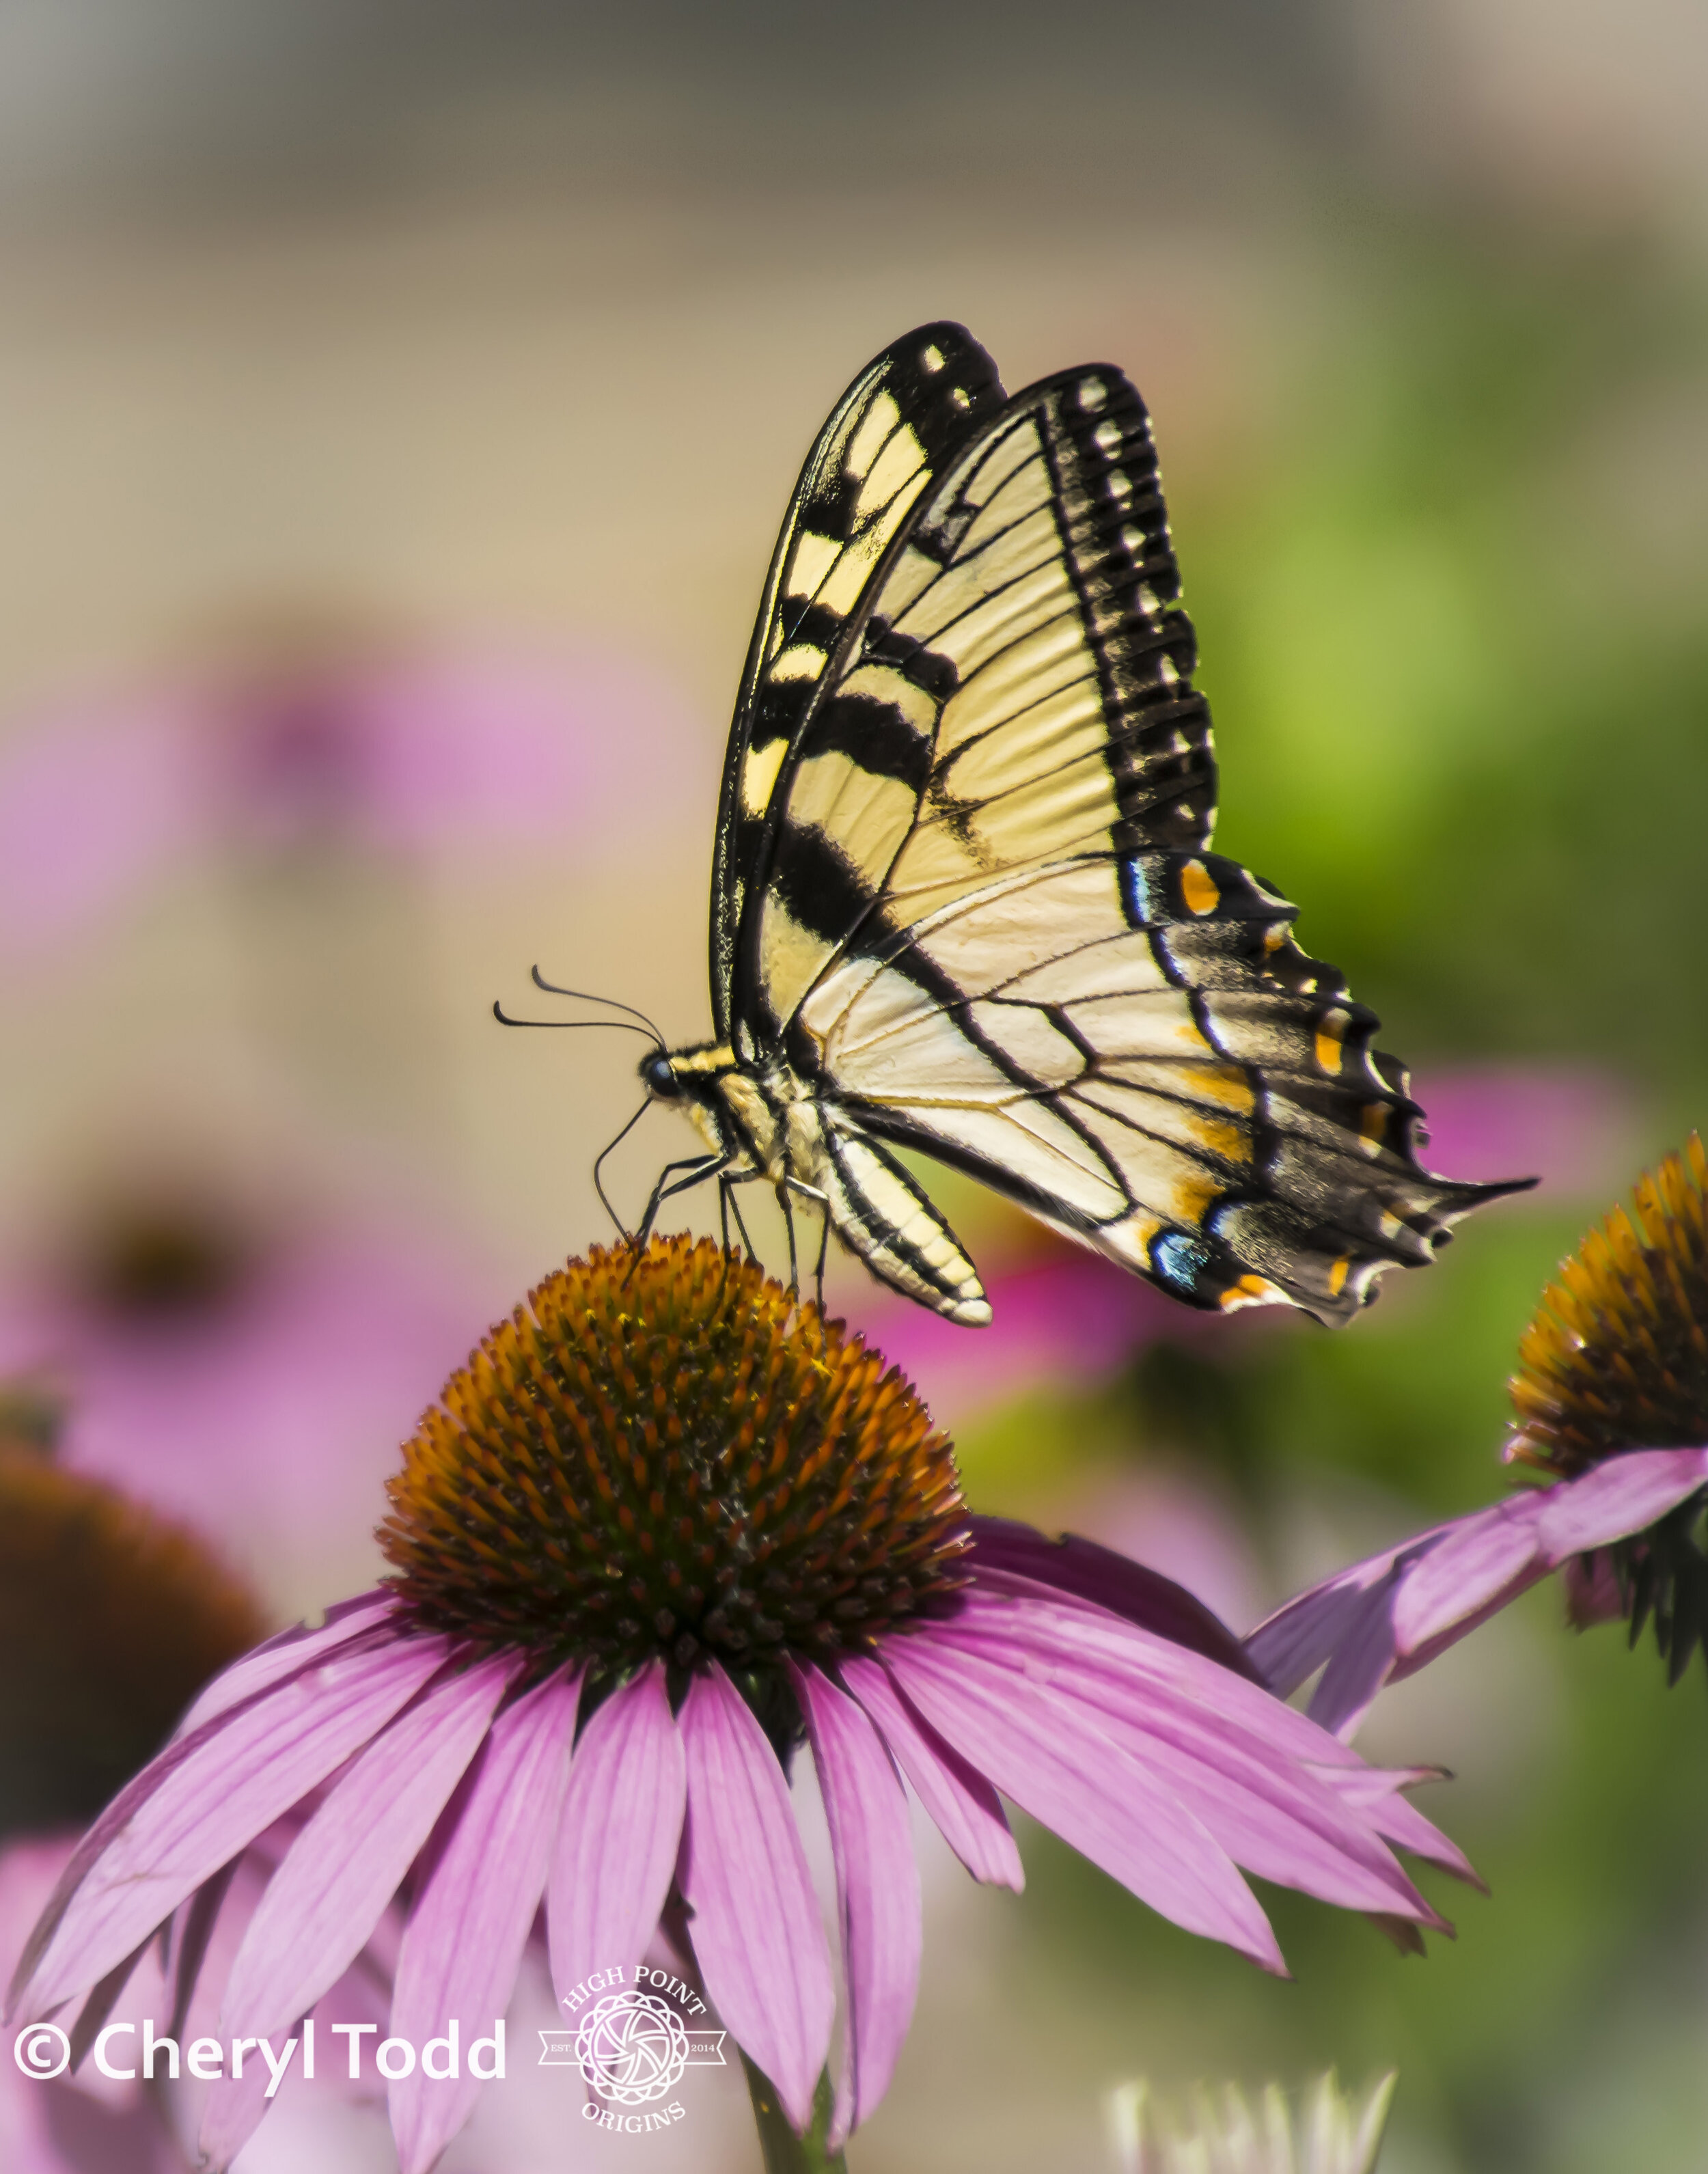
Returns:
(85, 2123)
(1177, 1522)
(1067, 1315)
(253, 1383)
(1569, 1125)
(405, 751)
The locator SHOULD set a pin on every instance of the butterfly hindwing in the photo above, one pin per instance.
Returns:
(1134, 1049)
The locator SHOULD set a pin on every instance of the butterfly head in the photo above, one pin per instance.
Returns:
(658, 1076)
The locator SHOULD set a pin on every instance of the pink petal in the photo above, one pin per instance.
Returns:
(877, 1888)
(1290, 1646)
(617, 1840)
(756, 1929)
(1044, 1750)
(236, 2106)
(1593, 1593)
(1618, 1498)
(349, 1860)
(207, 1797)
(1109, 1580)
(1360, 1664)
(966, 1808)
(1477, 1561)
(1263, 1804)
(996, 1613)
(1376, 1790)
(284, 1655)
(474, 1908)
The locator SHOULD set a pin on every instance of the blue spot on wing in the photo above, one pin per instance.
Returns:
(1179, 1260)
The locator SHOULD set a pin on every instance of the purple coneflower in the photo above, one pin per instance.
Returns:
(1612, 1404)
(111, 1620)
(243, 1365)
(663, 1530)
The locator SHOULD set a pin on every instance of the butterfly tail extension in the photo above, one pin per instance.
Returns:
(880, 1215)
(1338, 1193)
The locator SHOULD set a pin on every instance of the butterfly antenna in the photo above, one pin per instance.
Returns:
(586, 996)
(504, 1019)
(598, 1185)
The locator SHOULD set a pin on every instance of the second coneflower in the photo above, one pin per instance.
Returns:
(663, 1530)
(1611, 1403)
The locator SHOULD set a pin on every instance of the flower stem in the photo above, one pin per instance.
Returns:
(784, 2152)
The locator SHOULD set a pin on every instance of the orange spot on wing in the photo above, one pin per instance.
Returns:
(1198, 888)
(1221, 1083)
(1331, 1036)
(1252, 1291)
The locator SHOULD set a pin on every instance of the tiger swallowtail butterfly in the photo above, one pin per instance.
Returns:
(962, 899)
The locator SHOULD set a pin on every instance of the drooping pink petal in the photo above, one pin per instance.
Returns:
(1109, 1580)
(1050, 1755)
(284, 1655)
(1618, 1498)
(1290, 1646)
(1266, 1806)
(214, 1793)
(1594, 1592)
(877, 1892)
(462, 1945)
(1360, 1663)
(617, 1839)
(349, 1860)
(757, 1933)
(1481, 1560)
(966, 1808)
(237, 2105)
(1376, 1790)
(998, 1607)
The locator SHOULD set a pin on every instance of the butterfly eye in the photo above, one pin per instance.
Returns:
(658, 1076)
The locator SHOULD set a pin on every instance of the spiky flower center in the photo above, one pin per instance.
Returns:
(1617, 1356)
(667, 1456)
(1617, 1359)
(111, 1621)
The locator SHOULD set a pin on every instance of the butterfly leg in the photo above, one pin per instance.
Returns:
(789, 1225)
(821, 1201)
(728, 1205)
(699, 1169)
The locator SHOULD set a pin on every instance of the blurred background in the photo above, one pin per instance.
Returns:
(397, 403)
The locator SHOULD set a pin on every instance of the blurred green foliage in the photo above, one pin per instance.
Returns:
(1455, 641)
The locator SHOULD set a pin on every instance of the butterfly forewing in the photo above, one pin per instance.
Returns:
(901, 418)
